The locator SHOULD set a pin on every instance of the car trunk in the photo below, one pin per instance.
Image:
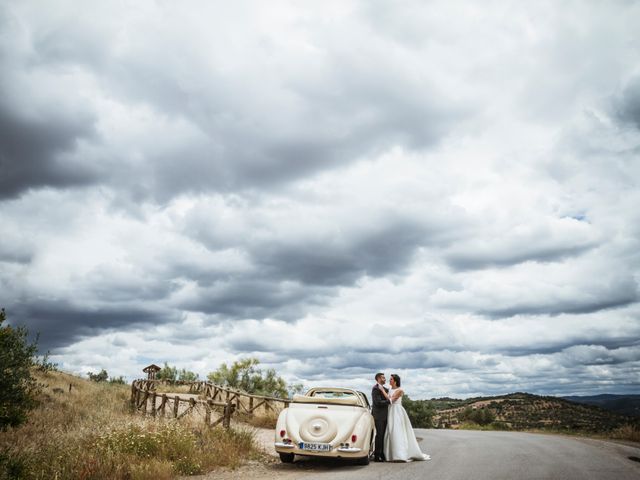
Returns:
(322, 423)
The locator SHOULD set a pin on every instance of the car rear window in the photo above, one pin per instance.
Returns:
(330, 394)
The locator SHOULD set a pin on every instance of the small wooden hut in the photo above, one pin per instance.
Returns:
(151, 371)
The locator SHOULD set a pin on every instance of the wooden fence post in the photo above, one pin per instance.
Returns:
(207, 413)
(163, 404)
(143, 391)
(228, 411)
(134, 391)
(153, 404)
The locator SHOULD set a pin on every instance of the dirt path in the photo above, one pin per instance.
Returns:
(269, 467)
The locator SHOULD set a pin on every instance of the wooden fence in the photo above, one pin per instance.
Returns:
(211, 398)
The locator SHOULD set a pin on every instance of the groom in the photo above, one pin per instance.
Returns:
(379, 411)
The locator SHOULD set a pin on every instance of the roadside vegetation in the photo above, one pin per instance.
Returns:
(89, 432)
(18, 388)
(246, 375)
(420, 412)
(54, 425)
(627, 432)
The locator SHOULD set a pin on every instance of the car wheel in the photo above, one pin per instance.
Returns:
(363, 461)
(286, 457)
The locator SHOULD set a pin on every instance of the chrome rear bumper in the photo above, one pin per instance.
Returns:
(284, 445)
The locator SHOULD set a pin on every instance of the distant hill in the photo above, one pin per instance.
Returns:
(622, 404)
(524, 411)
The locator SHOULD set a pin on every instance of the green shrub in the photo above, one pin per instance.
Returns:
(98, 377)
(18, 389)
(420, 412)
(480, 416)
(245, 375)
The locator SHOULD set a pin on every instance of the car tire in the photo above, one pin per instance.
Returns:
(363, 461)
(286, 457)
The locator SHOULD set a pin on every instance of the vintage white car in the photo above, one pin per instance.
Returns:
(327, 422)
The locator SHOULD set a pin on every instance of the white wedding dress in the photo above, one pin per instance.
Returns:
(400, 444)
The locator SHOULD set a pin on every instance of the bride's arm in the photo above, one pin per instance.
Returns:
(384, 392)
(397, 394)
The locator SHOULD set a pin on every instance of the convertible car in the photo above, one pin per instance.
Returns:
(327, 422)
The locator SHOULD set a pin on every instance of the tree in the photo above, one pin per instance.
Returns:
(119, 380)
(168, 373)
(98, 377)
(245, 375)
(481, 416)
(18, 389)
(420, 412)
(465, 414)
(295, 389)
(172, 374)
(187, 376)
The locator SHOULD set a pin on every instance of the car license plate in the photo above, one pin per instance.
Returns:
(315, 447)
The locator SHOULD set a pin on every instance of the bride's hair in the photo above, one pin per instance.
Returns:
(396, 378)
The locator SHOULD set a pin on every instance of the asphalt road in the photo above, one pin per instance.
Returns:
(466, 455)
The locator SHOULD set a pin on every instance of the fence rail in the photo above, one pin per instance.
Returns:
(211, 398)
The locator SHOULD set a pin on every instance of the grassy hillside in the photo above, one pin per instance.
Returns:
(622, 404)
(89, 432)
(523, 411)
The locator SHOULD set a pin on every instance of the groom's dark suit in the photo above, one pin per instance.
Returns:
(379, 410)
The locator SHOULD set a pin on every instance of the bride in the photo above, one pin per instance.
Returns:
(400, 444)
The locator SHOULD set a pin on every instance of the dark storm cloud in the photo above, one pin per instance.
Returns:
(546, 240)
(628, 103)
(32, 150)
(470, 260)
(627, 296)
(61, 323)
(17, 255)
(105, 285)
(385, 250)
(248, 297)
(542, 348)
(289, 273)
(402, 360)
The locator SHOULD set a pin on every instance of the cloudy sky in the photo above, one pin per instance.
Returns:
(445, 190)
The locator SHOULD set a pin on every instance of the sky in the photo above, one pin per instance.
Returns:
(445, 190)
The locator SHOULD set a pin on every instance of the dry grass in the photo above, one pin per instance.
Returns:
(627, 432)
(259, 421)
(172, 388)
(90, 433)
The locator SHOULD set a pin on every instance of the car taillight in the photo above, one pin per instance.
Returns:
(282, 433)
(354, 437)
